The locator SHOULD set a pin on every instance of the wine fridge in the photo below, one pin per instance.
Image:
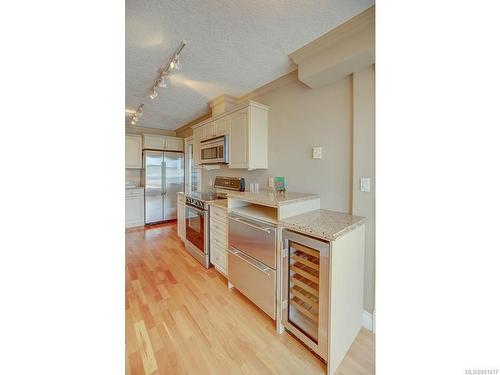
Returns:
(305, 290)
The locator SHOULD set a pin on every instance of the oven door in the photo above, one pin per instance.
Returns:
(195, 227)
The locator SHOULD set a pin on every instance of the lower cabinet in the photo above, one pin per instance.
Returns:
(181, 222)
(218, 239)
(134, 208)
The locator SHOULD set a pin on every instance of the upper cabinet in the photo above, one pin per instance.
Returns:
(160, 142)
(197, 135)
(247, 130)
(238, 144)
(222, 127)
(208, 131)
(133, 151)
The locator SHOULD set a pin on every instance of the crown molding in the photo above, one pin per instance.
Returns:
(131, 129)
(342, 51)
(224, 98)
(359, 23)
(271, 86)
(187, 127)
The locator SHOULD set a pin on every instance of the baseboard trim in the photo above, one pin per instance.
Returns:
(367, 320)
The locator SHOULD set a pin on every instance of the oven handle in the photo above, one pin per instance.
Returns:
(199, 210)
(266, 229)
(249, 260)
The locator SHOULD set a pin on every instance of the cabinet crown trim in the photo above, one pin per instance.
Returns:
(247, 104)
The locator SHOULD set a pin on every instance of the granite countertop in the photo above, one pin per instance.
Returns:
(325, 224)
(219, 203)
(270, 197)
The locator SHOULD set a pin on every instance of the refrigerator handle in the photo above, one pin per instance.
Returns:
(162, 178)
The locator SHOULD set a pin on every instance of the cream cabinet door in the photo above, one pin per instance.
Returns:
(134, 211)
(174, 144)
(238, 149)
(155, 142)
(222, 127)
(133, 151)
(181, 222)
(196, 146)
(209, 130)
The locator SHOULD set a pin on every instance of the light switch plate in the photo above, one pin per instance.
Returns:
(317, 151)
(364, 184)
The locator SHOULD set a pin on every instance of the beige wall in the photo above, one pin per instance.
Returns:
(301, 118)
(363, 203)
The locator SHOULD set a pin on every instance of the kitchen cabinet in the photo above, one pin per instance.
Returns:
(160, 142)
(222, 127)
(181, 222)
(238, 149)
(133, 151)
(218, 238)
(209, 130)
(249, 137)
(197, 133)
(247, 128)
(134, 207)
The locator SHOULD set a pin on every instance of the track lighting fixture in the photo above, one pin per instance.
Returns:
(163, 81)
(139, 110)
(153, 93)
(174, 63)
(136, 115)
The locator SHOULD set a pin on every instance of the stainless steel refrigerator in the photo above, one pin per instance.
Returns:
(163, 179)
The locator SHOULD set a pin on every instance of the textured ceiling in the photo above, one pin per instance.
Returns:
(234, 47)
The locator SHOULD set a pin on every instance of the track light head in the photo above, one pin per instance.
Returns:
(153, 93)
(163, 81)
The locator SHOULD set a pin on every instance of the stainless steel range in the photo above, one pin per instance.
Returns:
(197, 219)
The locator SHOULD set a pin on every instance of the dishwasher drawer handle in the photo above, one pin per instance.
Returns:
(265, 229)
(249, 260)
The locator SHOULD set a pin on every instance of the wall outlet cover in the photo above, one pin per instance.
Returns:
(317, 151)
(365, 184)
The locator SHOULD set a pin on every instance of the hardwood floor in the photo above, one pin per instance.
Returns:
(182, 319)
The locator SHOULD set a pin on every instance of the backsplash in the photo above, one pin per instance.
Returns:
(259, 176)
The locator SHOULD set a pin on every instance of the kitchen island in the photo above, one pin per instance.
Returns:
(343, 271)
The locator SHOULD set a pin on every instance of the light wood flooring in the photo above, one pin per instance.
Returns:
(182, 319)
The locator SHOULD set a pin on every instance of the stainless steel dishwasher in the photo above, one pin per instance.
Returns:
(252, 260)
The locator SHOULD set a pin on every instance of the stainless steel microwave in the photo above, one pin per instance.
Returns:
(214, 151)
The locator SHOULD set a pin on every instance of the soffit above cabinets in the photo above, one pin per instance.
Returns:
(233, 48)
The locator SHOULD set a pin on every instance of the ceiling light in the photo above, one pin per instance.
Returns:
(174, 63)
(163, 81)
(177, 64)
(139, 110)
(154, 93)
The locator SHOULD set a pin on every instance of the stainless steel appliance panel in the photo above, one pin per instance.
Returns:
(253, 237)
(214, 151)
(254, 279)
(154, 186)
(173, 170)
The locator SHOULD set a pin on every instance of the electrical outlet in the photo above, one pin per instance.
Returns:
(271, 182)
(364, 184)
(317, 151)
